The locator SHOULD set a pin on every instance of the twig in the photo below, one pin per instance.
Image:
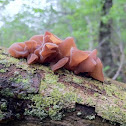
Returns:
(102, 42)
(122, 56)
(91, 31)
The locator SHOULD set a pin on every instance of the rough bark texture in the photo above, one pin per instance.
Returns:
(30, 91)
(105, 39)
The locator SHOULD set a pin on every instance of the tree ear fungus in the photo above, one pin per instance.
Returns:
(97, 72)
(49, 37)
(18, 50)
(48, 48)
(60, 63)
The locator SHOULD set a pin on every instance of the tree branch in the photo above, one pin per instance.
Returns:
(35, 91)
(91, 32)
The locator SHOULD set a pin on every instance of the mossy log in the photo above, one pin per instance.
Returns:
(36, 91)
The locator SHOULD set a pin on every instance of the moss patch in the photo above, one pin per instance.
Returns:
(77, 80)
(2, 71)
(53, 98)
(52, 105)
(3, 106)
(7, 92)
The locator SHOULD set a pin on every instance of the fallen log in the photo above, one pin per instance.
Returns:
(28, 91)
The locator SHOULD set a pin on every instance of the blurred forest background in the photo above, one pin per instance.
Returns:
(99, 24)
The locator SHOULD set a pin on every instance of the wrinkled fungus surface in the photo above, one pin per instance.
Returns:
(48, 48)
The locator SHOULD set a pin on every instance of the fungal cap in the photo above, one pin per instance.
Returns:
(60, 63)
(77, 56)
(65, 46)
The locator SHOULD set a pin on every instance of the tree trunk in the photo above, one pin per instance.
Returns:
(30, 91)
(105, 38)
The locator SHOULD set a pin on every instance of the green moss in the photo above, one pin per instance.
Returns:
(43, 86)
(51, 79)
(24, 83)
(77, 80)
(111, 110)
(52, 104)
(3, 106)
(111, 90)
(114, 90)
(22, 95)
(52, 99)
(2, 71)
(5, 61)
(53, 114)
(90, 101)
(90, 117)
(60, 85)
(68, 79)
(17, 79)
(16, 73)
(113, 117)
(14, 60)
(97, 85)
(7, 92)
(42, 67)
(20, 63)
(2, 57)
(96, 94)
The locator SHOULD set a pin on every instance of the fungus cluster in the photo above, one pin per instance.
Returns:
(48, 48)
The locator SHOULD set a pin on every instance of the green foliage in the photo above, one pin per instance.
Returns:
(15, 31)
(68, 20)
(106, 68)
(77, 18)
(4, 2)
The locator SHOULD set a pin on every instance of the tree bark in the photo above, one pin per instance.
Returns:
(30, 91)
(105, 38)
